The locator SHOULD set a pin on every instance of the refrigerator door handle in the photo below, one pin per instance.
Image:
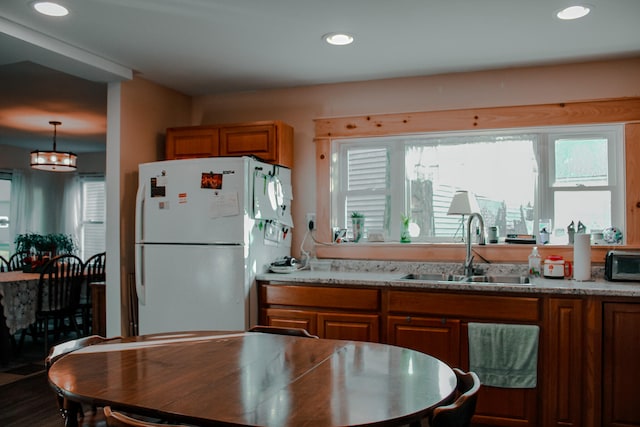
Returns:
(138, 219)
(138, 274)
(138, 245)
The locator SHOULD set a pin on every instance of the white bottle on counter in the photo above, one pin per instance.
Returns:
(534, 263)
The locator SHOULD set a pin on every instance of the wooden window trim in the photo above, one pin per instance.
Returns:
(620, 110)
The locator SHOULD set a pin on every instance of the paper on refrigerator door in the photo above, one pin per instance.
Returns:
(224, 204)
(285, 211)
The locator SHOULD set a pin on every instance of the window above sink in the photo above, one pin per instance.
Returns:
(519, 177)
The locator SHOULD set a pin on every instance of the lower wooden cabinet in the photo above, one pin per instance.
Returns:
(621, 365)
(332, 325)
(437, 324)
(349, 326)
(563, 382)
(439, 337)
(290, 319)
(335, 313)
(588, 356)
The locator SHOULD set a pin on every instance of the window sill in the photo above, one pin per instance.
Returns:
(453, 252)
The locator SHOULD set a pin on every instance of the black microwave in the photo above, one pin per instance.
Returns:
(622, 266)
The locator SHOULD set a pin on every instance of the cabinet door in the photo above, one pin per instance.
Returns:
(348, 326)
(257, 140)
(290, 319)
(439, 337)
(621, 366)
(498, 406)
(193, 142)
(563, 363)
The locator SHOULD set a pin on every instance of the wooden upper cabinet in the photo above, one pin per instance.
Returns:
(190, 142)
(271, 141)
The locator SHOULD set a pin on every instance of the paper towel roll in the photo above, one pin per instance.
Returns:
(582, 257)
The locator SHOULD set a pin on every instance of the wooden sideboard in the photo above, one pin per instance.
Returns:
(588, 347)
(271, 141)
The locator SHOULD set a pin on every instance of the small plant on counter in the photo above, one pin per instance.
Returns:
(405, 237)
(357, 222)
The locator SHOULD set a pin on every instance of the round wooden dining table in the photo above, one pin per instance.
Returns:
(256, 379)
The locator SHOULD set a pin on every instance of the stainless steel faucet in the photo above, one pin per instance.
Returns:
(468, 262)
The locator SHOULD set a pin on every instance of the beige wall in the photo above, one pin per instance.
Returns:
(146, 110)
(300, 106)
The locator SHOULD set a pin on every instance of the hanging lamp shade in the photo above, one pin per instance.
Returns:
(54, 161)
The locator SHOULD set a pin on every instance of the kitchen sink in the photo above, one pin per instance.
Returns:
(511, 279)
(459, 278)
(427, 276)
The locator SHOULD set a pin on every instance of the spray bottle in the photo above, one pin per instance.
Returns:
(534, 263)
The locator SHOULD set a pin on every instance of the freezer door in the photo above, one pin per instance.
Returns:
(192, 287)
(193, 201)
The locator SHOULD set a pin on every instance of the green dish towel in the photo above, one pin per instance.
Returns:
(504, 355)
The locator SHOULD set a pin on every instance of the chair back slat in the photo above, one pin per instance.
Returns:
(16, 261)
(95, 268)
(60, 284)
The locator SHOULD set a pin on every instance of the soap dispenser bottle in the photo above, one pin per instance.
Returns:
(534, 263)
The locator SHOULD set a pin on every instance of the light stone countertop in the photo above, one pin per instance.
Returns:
(342, 275)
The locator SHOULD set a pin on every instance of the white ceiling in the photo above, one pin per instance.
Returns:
(211, 46)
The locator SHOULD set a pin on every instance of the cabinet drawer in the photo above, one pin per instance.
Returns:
(466, 306)
(334, 298)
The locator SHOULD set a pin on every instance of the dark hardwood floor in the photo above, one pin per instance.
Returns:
(29, 400)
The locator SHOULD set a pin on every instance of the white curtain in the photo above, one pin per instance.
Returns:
(71, 209)
(45, 202)
(20, 205)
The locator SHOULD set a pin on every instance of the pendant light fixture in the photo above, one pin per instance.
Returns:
(53, 161)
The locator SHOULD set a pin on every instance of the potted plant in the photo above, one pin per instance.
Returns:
(40, 247)
(405, 237)
(357, 222)
(61, 243)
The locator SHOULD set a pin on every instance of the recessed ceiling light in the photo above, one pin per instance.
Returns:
(573, 12)
(338, 39)
(50, 9)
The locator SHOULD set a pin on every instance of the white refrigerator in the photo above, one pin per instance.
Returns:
(204, 228)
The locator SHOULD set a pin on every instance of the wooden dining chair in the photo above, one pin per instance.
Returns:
(69, 408)
(4, 264)
(460, 412)
(58, 297)
(16, 261)
(296, 332)
(118, 419)
(94, 271)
